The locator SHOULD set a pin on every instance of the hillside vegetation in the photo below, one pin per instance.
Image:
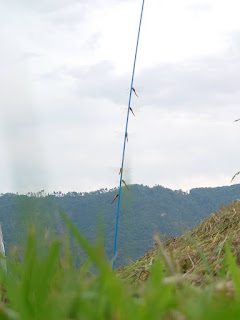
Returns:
(198, 253)
(192, 277)
(144, 211)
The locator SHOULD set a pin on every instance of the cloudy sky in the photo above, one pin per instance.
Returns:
(64, 85)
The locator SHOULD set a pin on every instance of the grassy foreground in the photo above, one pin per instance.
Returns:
(195, 276)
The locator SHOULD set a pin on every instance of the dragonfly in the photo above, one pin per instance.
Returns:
(132, 111)
(134, 91)
(115, 198)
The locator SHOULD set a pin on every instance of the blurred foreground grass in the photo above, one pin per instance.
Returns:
(46, 284)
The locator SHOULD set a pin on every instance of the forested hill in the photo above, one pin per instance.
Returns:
(144, 211)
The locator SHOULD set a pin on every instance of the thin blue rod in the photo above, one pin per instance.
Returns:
(125, 138)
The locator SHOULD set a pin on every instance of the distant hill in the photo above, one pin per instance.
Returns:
(144, 211)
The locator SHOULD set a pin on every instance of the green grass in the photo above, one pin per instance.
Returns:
(46, 284)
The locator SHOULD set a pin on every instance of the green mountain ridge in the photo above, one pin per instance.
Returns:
(144, 211)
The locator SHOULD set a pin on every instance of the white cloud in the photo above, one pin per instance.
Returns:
(65, 76)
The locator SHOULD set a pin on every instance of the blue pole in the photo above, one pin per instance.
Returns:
(125, 138)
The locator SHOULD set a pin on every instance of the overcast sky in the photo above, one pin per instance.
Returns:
(65, 71)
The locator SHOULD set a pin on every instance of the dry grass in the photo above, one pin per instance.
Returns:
(199, 252)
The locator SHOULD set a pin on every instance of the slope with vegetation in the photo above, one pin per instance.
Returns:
(198, 254)
(144, 211)
(46, 284)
